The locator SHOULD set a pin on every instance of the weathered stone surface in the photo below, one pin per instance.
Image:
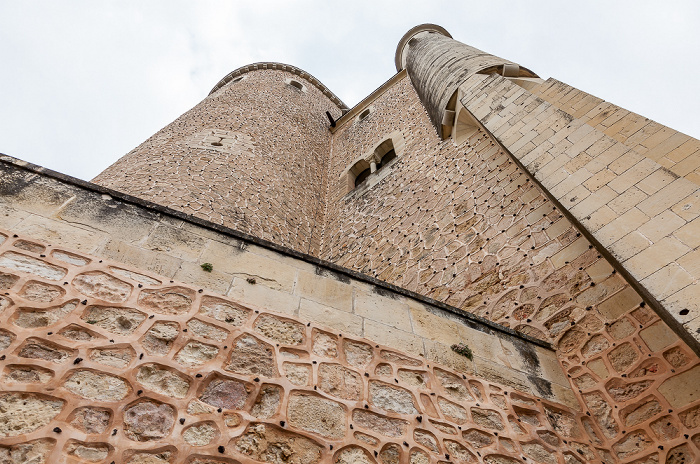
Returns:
(418, 456)
(280, 330)
(680, 455)
(353, 455)
(33, 452)
(487, 418)
(325, 344)
(539, 453)
(97, 386)
(453, 385)
(622, 357)
(148, 420)
(459, 453)
(452, 411)
(113, 357)
(399, 358)
(6, 339)
(383, 425)
(390, 454)
(24, 263)
(22, 413)
(666, 428)
(298, 374)
(339, 381)
(638, 413)
(225, 393)
(7, 280)
(416, 379)
(357, 354)
(224, 311)
(160, 338)
(196, 353)
(252, 356)
(90, 452)
(315, 414)
(30, 318)
(78, 333)
(633, 443)
(200, 434)
(36, 348)
(133, 275)
(363, 437)
(427, 439)
(391, 398)
(603, 414)
(477, 438)
(119, 321)
(677, 357)
(206, 330)
(90, 420)
(102, 286)
(267, 443)
(26, 374)
(497, 459)
(562, 422)
(384, 370)
(620, 390)
(41, 292)
(163, 380)
(172, 301)
(267, 402)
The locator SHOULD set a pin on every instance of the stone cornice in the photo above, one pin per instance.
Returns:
(280, 67)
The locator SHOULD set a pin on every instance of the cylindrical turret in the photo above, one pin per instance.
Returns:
(251, 156)
(438, 65)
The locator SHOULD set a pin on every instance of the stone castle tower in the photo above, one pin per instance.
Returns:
(471, 265)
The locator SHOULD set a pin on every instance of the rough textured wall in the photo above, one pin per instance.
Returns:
(103, 362)
(267, 176)
(74, 214)
(463, 224)
(645, 215)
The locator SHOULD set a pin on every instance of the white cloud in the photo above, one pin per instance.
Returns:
(83, 82)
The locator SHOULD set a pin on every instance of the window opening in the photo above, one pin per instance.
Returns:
(296, 84)
(388, 156)
(362, 176)
(364, 114)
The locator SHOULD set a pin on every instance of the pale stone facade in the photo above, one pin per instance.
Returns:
(553, 233)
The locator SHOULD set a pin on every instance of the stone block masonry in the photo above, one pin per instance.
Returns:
(105, 361)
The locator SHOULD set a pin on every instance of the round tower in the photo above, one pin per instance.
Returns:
(437, 65)
(250, 156)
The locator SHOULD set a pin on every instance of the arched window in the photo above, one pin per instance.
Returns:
(362, 176)
(369, 169)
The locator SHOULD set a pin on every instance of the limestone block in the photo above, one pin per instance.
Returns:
(683, 388)
(324, 290)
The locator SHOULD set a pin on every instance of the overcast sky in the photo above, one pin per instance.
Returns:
(84, 82)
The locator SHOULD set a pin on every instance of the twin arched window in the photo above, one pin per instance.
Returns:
(364, 174)
(363, 168)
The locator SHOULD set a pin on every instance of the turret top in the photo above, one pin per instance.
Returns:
(399, 57)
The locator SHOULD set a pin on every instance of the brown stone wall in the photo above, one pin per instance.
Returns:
(463, 224)
(105, 362)
(267, 176)
(75, 215)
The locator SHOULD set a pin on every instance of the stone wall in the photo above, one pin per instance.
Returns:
(645, 215)
(466, 225)
(66, 212)
(267, 176)
(103, 362)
